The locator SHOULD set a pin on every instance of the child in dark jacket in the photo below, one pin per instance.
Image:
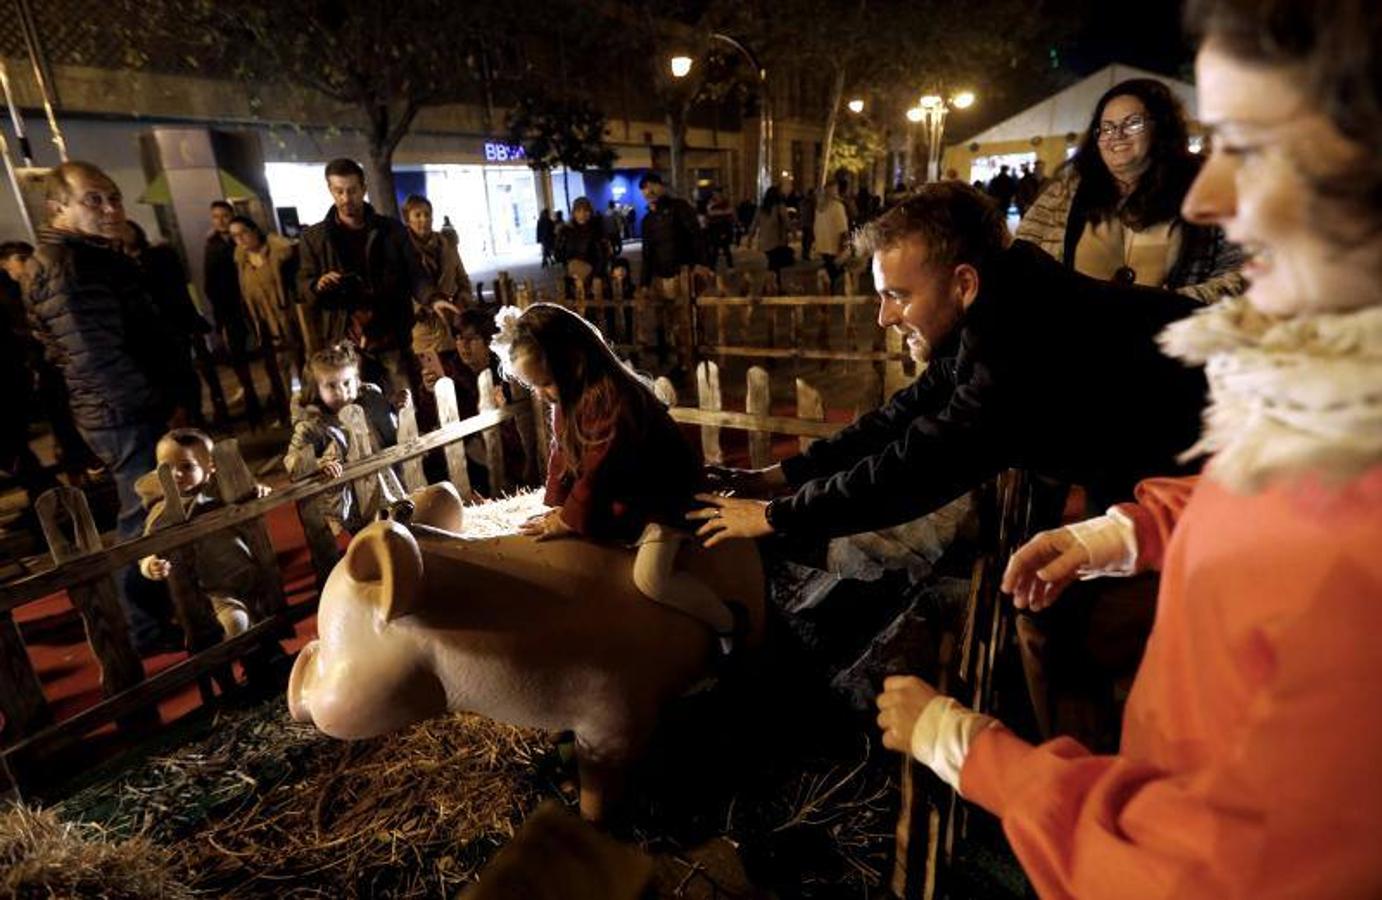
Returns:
(332, 381)
(620, 469)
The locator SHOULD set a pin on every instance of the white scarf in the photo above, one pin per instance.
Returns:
(1288, 397)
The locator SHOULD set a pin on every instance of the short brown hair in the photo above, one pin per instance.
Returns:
(415, 201)
(957, 223)
(344, 167)
(1336, 46)
(57, 184)
(194, 438)
(339, 355)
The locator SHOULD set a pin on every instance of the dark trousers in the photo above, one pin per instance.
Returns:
(1080, 655)
(128, 452)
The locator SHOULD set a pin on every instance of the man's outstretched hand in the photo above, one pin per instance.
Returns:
(759, 483)
(727, 518)
(1044, 567)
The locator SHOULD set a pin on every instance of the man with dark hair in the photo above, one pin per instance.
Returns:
(359, 271)
(90, 309)
(222, 279)
(1002, 329)
(672, 235)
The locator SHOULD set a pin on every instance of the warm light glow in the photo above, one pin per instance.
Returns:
(786, 174)
(963, 100)
(931, 101)
(856, 106)
(915, 114)
(681, 66)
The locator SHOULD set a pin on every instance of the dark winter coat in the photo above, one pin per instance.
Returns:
(89, 307)
(672, 238)
(584, 242)
(387, 286)
(1048, 370)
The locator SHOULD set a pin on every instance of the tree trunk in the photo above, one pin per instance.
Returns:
(837, 93)
(676, 125)
(380, 179)
(386, 132)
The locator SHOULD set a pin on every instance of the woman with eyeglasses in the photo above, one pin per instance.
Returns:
(1113, 210)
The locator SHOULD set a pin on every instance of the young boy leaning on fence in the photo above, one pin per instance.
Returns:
(223, 564)
(331, 382)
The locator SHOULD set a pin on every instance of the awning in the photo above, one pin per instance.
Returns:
(158, 194)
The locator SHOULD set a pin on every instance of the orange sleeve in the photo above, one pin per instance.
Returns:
(1292, 808)
(1160, 502)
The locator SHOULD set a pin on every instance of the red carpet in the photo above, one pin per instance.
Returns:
(54, 637)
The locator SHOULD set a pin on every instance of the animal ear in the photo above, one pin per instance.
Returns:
(385, 556)
(438, 505)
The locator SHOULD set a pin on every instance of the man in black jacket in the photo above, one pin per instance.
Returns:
(90, 310)
(1027, 364)
(359, 271)
(672, 235)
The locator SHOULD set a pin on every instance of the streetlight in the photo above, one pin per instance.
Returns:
(681, 67)
(932, 110)
(856, 106)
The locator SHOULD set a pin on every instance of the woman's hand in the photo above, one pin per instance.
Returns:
(726, 518)
(1044, 567)
(546, 526)
(329, 469)
(903, 699)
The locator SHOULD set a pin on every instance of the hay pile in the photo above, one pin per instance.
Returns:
(41, 856)
(265, 806)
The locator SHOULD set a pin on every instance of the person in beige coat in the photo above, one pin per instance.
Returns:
(266, 264)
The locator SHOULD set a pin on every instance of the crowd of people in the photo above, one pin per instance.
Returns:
(1193, 340)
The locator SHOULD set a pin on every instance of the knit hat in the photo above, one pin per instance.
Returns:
(431, 334)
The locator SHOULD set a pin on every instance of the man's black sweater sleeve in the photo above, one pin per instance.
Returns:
(875, 430)
(936, 457)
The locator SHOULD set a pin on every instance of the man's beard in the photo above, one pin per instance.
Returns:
(918, 347)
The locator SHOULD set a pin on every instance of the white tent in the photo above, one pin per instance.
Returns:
(1069, 110)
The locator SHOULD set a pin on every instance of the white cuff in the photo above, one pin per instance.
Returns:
(942, 736)
(1111, 542)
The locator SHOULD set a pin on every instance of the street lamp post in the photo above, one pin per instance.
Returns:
(930, 112)
(681, 67)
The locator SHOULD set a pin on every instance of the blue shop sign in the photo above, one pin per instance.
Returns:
(497, 152)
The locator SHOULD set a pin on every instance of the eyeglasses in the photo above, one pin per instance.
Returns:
(1133, 125)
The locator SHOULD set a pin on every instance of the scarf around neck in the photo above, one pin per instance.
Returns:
(1288, 397)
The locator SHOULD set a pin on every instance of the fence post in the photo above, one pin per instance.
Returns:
(665, 390)
(413, 477)
(759, 403)
(494, 442)
(238, 486)
(810, 407)
(191, 605)
(708, 397)
(321, 541)
(448, 413)
(21, 694)
(97, 600)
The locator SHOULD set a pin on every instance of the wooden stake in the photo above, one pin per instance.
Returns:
(413, 476)
(494, 443)
(809, 407)
(708, 397)
(759, 403)
(447, 413)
